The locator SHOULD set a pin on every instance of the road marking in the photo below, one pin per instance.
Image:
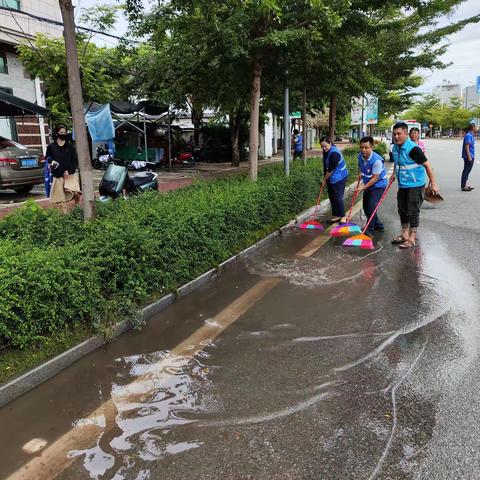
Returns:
(54, 459)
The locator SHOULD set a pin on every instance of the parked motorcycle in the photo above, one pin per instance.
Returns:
(116, 181)
(185, 159)
(102, 159)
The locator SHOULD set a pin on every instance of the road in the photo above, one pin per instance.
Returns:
(301, 363)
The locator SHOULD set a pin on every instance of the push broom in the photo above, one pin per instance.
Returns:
(313, 224)
(364, 241)
(348, 228)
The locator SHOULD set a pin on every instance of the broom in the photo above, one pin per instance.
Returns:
(347, 228)
(364, 241)
(313, 224)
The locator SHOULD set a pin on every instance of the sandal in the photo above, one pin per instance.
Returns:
(467, 189)
(334, 220)
(398, 240)
(407, 244)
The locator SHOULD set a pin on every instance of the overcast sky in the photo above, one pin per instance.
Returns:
(463, 50)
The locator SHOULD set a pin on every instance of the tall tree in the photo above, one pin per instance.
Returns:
(76, 103)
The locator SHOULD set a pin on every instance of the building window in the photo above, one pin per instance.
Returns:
(13, 4)
(3, 62)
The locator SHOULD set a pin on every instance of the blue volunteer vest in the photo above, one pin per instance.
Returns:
(366, 170)
(340, 171)
(299, 143)
(409, 173)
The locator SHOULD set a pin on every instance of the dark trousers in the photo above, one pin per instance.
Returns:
(371, 197)
(409, 202)
(335, 195)
(467, 168)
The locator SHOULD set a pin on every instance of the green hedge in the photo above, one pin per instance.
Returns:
(57, 272)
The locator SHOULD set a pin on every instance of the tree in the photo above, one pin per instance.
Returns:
(76, 103)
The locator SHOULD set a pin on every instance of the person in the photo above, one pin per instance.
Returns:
(297, 144)
(414, 135)
(62, 158)
(371, 167)
(411, 167)
(468, 155)
(191, 147)
(335, 177)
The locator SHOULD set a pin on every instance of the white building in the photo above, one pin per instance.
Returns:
(447, 91)
(20, 20)
(471, 98)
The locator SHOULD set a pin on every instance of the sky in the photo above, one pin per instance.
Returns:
(463, 50)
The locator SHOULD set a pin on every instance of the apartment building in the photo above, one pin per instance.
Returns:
(471, 98)
(447, 91)
(20, 20)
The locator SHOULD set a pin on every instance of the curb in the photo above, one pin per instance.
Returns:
(31, 379)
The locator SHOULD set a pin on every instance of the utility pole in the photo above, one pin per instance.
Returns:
(76, 104)
(286, 128)
(304, 125)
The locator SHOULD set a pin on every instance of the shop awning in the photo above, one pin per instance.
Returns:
(11, 106)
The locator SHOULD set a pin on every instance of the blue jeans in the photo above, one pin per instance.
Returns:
(371, 197)
(467, 168)
(335, 195)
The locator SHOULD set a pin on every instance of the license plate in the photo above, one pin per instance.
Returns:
(29, 162)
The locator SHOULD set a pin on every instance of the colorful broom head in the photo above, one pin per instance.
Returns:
(345, 229)
(311, 225)
(362, 241)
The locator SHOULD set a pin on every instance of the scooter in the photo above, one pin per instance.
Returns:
(103, 158)
(185, 159)
(116, 181)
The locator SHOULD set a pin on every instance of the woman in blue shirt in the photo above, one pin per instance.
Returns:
(335, 177)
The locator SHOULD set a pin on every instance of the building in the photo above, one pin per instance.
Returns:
(471, 98)
(447, 91)
(20, 21)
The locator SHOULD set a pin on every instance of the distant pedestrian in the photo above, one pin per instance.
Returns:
(414, 135)
(411, 170)
(297, 144)
(468, 155)
(62, 157)
(335, 177)
(374, 177)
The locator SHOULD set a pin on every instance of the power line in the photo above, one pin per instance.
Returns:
(60, 24)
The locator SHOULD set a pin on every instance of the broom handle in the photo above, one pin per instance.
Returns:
(355, 195)
(382, 198)
(322, 186)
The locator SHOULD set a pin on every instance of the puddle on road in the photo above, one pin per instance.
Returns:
(169, 405)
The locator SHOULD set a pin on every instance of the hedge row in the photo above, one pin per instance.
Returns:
(55, 270)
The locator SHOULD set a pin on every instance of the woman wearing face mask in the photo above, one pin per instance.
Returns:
(62, 158)
(335, 177)
(414, 135)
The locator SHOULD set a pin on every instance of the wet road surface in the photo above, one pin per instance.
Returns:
(346, 364)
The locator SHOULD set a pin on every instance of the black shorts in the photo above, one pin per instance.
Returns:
(409, 201)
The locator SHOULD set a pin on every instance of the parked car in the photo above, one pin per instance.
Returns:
(21, 168)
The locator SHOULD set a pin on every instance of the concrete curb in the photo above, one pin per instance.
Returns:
(31, 379)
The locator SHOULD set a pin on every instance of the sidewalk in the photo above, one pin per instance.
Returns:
(178, 178)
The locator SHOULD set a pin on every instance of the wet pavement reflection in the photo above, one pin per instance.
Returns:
(346, 367)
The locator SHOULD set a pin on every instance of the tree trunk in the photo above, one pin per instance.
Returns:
(76, 104)
(197, 117)
(254, 118)
(332, 117)
(304, 125)
(235, 121)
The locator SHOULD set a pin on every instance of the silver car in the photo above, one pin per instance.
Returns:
(21, 168)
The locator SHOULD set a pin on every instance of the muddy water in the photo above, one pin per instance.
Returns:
(336, 372)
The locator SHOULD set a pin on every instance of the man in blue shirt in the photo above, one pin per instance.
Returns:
(297, 144)
(468, 155)
(374, 181)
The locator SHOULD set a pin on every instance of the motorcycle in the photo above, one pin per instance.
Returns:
(185, 159)
(102, 159)
(116, 181)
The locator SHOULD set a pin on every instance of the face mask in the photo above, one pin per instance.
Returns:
(62, 136)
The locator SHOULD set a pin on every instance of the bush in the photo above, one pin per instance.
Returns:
(56, 271)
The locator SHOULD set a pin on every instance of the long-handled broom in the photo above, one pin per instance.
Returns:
(348, 228)
(364, 241)
(313, 224)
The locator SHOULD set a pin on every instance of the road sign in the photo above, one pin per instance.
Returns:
(295, 114)
(478, 85)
